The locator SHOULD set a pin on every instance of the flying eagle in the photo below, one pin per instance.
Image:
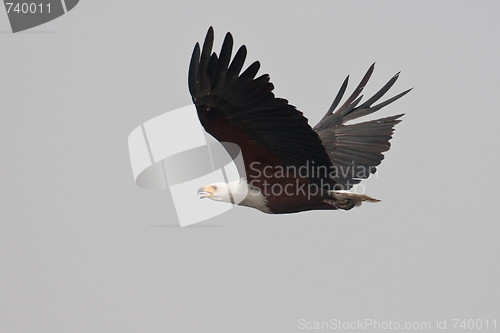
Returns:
(289, 166)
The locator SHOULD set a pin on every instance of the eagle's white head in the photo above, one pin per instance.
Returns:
(237, 192)
(216, 191)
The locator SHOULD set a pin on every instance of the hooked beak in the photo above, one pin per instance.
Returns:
(205, 192)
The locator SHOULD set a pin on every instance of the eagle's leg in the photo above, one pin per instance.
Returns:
(344, 204)
(347, 200)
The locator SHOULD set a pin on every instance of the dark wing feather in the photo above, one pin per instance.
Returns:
(356, 150)
(243, 110)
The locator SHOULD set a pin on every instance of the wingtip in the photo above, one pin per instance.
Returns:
(371, 69)
(228, 41)
(407, 91)
(210, 34)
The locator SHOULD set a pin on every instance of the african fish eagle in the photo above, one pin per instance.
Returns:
(276, 140)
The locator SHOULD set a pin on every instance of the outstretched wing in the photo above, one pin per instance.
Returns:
(242, 109)
(356, 150)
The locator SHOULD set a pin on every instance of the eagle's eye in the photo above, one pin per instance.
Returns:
(214, 187)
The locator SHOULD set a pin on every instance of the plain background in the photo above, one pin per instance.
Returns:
(83, 249)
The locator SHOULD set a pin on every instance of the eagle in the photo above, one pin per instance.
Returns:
(289, 166)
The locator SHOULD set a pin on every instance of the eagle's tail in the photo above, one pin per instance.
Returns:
(355, 150)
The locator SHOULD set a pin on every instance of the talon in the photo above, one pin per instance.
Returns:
(345, 204)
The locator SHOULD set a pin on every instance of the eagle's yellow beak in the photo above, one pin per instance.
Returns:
(206, 191)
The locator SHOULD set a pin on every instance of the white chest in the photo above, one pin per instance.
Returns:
(254, 199)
